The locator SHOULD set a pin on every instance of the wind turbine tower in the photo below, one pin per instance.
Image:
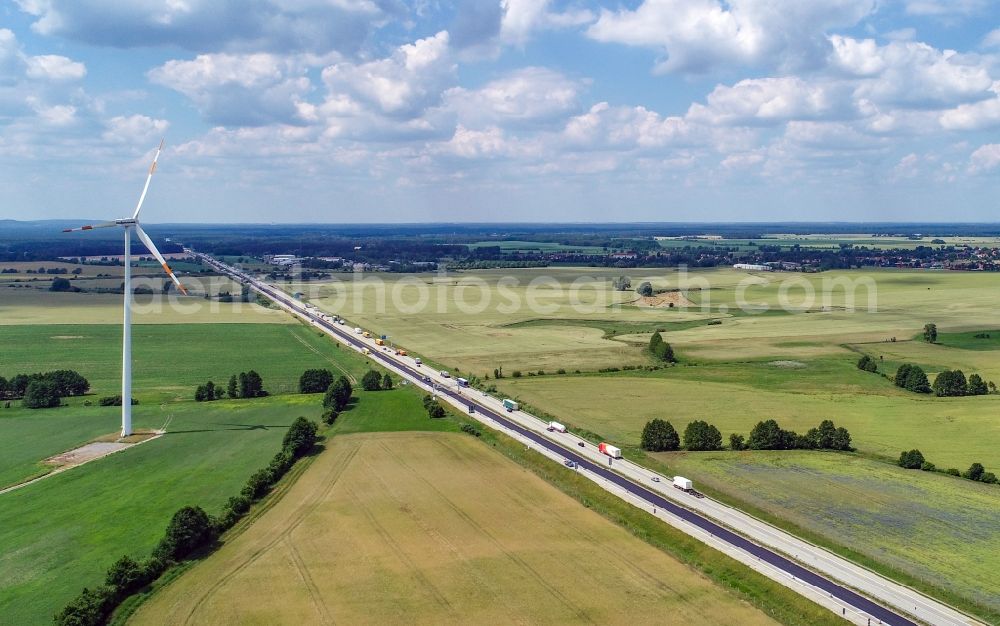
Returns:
(130, 224)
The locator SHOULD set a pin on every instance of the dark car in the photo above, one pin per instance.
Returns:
(581, 444)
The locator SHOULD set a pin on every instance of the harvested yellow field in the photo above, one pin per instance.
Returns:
(435, 528)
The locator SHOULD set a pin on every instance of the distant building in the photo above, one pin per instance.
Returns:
(753, 267)
(281, 259)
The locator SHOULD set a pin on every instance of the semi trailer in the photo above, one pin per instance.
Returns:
(610, 450)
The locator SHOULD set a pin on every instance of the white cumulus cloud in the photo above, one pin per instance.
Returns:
(986, 158)
(698, 35)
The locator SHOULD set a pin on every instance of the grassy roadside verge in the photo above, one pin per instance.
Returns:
(957, 601)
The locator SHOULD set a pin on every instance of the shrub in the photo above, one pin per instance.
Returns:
(949, 384)
(330, 416)
(736, 442)
(867, 364)
(975, 471)
(87, 609)
(912, 459)
(560, 371)
(827, 437)
(207, 392)
(189, 529)
(927, 466)
(516, 374)
(472, 430)
(300, 438)
(930, 333)
(386, 381)
(338, 394)
(912, 378)
(700, 435)
(660, 349)
(115, 400)
(60, 284)
(645, 289)
(953, 471)
(767, 435)
(257, 485)
(989, 478)
(41, 394)
(435, 410)
(660, 436)
(371, 381)
(125, 577)
(315, 381)
(977, 386)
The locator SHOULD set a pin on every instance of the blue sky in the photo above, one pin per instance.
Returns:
(501, 110)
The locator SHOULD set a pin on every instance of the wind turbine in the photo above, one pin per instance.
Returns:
(129, 224)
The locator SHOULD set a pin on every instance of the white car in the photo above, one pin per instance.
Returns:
(445, 374)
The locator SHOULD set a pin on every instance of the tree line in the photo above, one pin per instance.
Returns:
(947, 384)
(913, 459)
(191, 531)
(44, 389)
(660, 436)
(242, 385)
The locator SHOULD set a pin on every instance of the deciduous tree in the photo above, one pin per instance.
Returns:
(660, 436)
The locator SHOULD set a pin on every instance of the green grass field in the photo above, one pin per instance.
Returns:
(394, 527)
(935, 528)
(169, 362)
(62, 533)
(31, 306)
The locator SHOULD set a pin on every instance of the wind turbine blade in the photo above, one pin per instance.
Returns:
(149, 177)
(144, 238)
(91, 227)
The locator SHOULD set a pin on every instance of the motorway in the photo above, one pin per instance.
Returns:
(826, 578)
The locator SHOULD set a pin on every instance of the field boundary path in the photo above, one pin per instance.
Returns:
(841, 586)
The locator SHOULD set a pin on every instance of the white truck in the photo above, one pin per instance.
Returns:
(462, 382)
(556, 427)
(510, 405)
(610, 450)
(684, 484)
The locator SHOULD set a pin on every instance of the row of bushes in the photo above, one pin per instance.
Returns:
(768, 435)
(373, 381)
(245, 385)
(659, 436)
(338, 394)
(913, 459)
(603, 370)
(434, 409)
(189, 530)
(115, 400)
(948, 383)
